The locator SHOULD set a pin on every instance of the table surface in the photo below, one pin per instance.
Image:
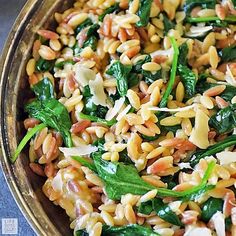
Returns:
(8, 209)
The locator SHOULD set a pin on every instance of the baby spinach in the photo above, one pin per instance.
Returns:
(43, 65)
(212, 19)
(83, 25)
(145, 208)
(183, 53)
(61, 64)
(50, 111)
(128, 230)
(81, 232)
(89, 107)
(224, 120)
(124, 157)
(53, 114)
(121, 73)
(120, 179)
(100, 144)
(97, 119)
(227, 94)
(186, 75)
(189, 80)
(234, 3)
(190, 4)
(162, 210)
(109, 10)
(168, 24)
(91, 40)
(210, 207)
(171, 82)
(228, 54)
(44, 89)
(25, 140)
(218, 147)
(144, 12)
(148, 76)
(85, 162)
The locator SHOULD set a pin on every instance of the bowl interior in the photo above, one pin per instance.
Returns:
(43, 215)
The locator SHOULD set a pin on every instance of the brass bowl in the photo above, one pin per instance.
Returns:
(44, 217)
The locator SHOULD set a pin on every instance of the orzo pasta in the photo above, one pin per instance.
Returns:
(133, 123)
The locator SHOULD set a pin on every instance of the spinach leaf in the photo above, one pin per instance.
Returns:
(212, 20)
(224, 120)
(83, 25)
(149, 138)
(133, 80)
(124, 157)
(227, 94)
(228, 223)
(25, 140)
(210, 207)
(218, 147)
(149, 78)
(91, 40)
(228, 54)
(168, 24)
(50, 111)
(145, 208)
(137, 68)
(53, 114)
(121, 179)
(162, 210)
(109, 10)
(43, 89)
(85, 162)
(165, 213)
(183, 53)
(144, 12)
(171, 82)
(190, 4)
(189, 80)
(92, 31)
(86, 91)
(234, 3)
(97, 119)
(61, 64)
(127, 230)
(186, 75)
(121, 73)
(100, 144)
(43, 65)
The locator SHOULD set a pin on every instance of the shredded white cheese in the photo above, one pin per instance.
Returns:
(81, 150)
(199, 134)
(197, 231)
(196, 31)
(83, 74)
(97, 90)
(165, 109)
(112, 112)
(123, 113)
(168, 52)
(226, 157)
(218, 220)
(57, 182)
(229, 77)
